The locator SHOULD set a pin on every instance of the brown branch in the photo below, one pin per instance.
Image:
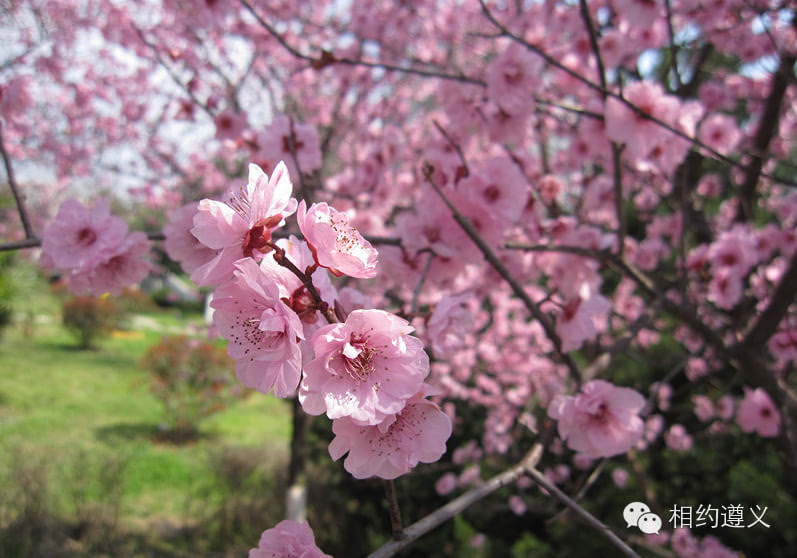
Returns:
(395, 513)
(673, 47)
(502, 270)
(20, 244)
(583, 514)
(282, 259)
(12, 183)
(36, 242)
(767, 129)
(453, 144)
(778, 306)
(617, 175)
(326, 58)
(171, 73)
(457, 506)
(417, 292)
(505, 32)
(593, 41)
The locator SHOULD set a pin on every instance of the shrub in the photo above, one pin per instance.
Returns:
(90, 318)
(192, 378)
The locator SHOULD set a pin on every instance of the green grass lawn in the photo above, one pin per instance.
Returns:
(81, 415)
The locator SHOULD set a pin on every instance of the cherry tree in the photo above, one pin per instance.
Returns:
(527, 194)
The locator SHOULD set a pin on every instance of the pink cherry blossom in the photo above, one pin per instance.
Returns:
(123, 267)
(418, 433)
(283, 140)
(446, 484)
(783, 345)
(496, 187)
(603, 420)
(726, 407)
(620, 477)
(365, 368)
(288, 538)
(704, 407)
(449, 325)
(512, 79)
(581, 319)
(641, 135)
(720, 132)
(180, 244)
(229, 124)
(335, 243)
(517, 505)
(263, 332)
(79, 238)
(241, 227)
(641, 13)
(677, 438)
(758, 413)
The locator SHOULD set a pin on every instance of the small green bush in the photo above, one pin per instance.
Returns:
(90, 319)
(192, 378)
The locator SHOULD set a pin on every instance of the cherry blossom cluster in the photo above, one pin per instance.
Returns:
(626, 162)
(290, 331)
(94, 249)
(288, 538)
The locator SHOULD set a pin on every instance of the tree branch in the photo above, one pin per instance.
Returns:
(516, 287)
(457, 506)
(778, 306)
(608, 93)
(12, 183)
(767, 129)
(583, 514)
(326, 58)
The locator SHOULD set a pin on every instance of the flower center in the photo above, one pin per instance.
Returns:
(361, 366)
(259, 337)
(602, 414)
(258, 237)
(86, 237)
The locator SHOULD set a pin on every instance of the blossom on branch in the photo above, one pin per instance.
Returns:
(79, 237)
(180, 244)
(242, 226)
(94, 248)
(335, 243)
(125, 266)
(418, 433)
(366, 368)
(758, 413)
(603, 420)
(288, 538)
(263, 332)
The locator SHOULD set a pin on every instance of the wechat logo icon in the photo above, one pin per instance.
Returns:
(638, 514)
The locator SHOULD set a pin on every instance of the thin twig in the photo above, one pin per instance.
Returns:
(294, 155)
(326, 58)
(673, 47)
(583, 514)
(506, 32)
(458, 505)
(767, 323)
(282, 259)
(618, 198)
(767, 129)
(171, 73)
(593, 40)
(502, 270)
(417, 292)
(395, 513)
(453, 144)
(591, 479)
(12, 183)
